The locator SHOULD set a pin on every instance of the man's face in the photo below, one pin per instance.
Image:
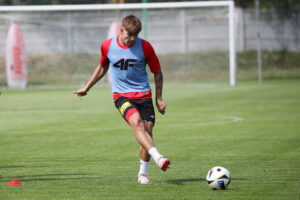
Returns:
(128, 38)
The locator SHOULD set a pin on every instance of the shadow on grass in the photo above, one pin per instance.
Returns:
(50, 177)
(185, 181)
(12, 166)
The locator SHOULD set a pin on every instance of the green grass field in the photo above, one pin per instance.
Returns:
(62, 148)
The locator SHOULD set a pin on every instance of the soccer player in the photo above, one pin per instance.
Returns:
(126, 57)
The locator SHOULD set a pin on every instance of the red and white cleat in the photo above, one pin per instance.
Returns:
(164, 163)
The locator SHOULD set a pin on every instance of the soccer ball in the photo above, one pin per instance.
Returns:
(218, 178)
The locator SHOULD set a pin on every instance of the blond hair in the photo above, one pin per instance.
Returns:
(132, 24)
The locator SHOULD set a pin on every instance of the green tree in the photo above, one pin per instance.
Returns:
(270, 4)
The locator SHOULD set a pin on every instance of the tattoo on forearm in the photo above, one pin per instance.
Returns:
(158, 78)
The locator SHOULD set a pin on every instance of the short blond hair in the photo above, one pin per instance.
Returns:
(132, 24)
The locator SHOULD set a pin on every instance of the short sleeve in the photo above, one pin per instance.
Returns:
(104, 61)
(150, 57)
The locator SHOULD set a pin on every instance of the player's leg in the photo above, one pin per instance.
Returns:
(130, 112)
(146, 110)
(146, 141)
(139, 129)
(144, 155)
(145, 158)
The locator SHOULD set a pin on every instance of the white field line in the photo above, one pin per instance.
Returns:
(189, 120)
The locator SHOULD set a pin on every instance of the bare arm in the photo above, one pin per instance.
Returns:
(99, 72)
(158, 80)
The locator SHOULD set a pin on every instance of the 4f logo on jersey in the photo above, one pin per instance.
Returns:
(123, 64)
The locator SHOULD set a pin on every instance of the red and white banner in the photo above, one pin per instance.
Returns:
(16, 62)
(114, 29)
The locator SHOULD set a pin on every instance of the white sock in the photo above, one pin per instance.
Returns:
(155, 155)
(144, 167)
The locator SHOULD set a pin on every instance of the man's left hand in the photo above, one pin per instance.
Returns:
(161, 106)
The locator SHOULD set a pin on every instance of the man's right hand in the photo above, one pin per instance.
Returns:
(80, 93)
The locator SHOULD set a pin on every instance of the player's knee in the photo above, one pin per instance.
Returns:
(139, 123)
(135, 121)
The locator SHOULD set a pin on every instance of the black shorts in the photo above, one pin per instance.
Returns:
(127, 107)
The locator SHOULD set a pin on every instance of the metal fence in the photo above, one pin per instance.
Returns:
(279, 30)
(192, 43)
(171, 31)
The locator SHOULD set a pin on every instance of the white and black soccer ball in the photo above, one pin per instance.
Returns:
(218, 178)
